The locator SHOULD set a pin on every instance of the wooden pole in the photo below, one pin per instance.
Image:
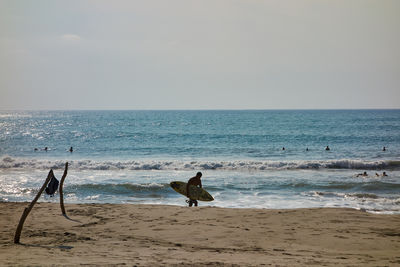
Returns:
(28, 209)
(60, 190)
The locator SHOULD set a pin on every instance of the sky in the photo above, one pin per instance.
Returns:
(205, 54)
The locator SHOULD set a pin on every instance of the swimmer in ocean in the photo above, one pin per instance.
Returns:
(362, 174)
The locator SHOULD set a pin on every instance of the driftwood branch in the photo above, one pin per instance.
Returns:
(29, 208)
(60, 190)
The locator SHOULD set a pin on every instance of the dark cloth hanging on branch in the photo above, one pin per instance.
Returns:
(52, 186)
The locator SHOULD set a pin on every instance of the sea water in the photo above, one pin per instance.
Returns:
(132, 156)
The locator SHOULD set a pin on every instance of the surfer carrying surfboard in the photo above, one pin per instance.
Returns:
(196, 181)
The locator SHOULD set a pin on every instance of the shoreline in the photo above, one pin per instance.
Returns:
(159, 235)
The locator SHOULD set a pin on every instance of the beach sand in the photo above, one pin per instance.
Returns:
(154, 235)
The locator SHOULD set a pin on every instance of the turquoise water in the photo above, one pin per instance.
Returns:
(131, 156)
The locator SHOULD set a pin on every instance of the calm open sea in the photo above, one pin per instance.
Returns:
(131, 156)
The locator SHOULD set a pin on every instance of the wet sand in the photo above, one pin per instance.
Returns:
(159, 235)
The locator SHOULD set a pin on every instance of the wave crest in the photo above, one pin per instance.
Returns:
(7, 162)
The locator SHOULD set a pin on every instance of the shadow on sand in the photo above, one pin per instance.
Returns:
(68, 218)
(62, 247)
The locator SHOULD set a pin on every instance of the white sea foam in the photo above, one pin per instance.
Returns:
(235, 189)
(7, 162)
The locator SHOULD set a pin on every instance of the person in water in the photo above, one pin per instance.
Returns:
(384, 148)
(327, 148)
(196, 181)
(383, 174)
(362, 174)
(71, 149)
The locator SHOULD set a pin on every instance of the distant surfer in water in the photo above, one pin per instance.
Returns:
(196, 181)
(383, 174)
(327, 148)
(362, 174)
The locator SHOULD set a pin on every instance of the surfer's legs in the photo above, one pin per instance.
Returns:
(192, 201)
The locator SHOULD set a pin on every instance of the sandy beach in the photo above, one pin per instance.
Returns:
(158, 235)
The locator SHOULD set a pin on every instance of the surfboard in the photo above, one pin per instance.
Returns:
(196, 193)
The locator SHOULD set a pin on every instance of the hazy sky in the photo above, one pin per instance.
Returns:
(205, 54)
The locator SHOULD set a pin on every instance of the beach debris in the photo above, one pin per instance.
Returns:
(52, 184)
(61, 190)
(29, 208)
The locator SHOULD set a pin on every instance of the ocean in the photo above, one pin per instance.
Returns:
(132, 156)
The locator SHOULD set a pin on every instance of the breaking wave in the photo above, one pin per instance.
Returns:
(7, 162)
(364, 196)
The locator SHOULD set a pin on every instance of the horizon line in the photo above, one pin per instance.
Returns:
(210, 109)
